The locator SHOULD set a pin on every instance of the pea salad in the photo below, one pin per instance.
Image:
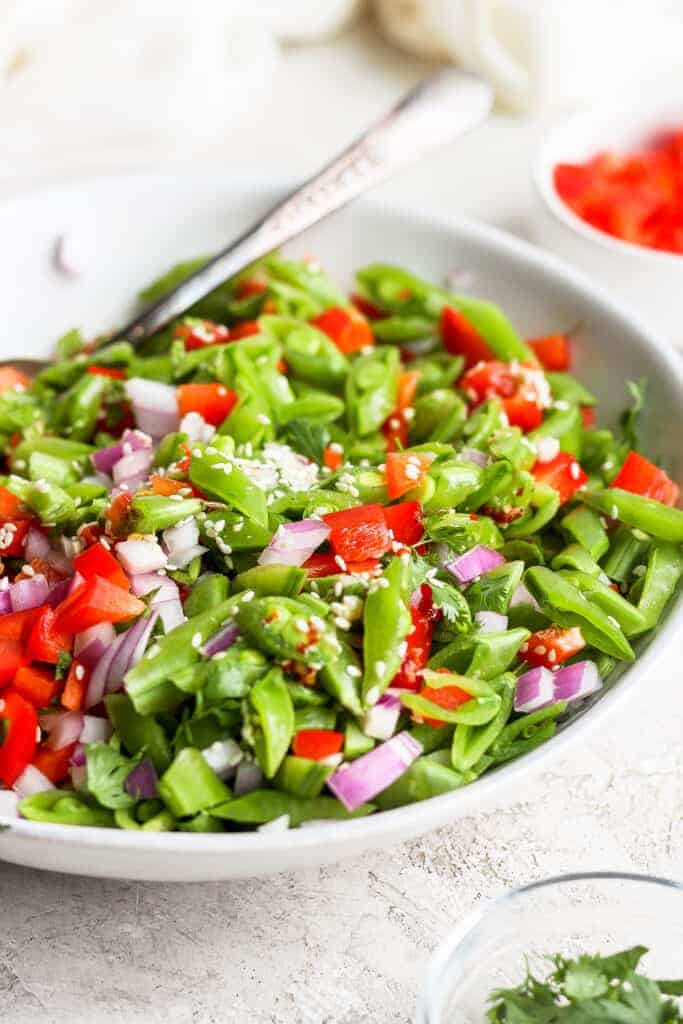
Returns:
(303, 556)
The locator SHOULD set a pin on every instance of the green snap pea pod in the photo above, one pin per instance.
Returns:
(18, 410)
(273, 722)
(440, 370)
(461, 532)
(185, 364)
(154, 512)
(545, 502)
(310, 355)
(370, 484)
(227, 531)
(451, 483)
(58, 447)
(262, 805)
(59, 376)
(222, 478)
(285, 580)
(564, 424)
(251, 419)
(602, 454)
(302, 777)
(482, 707)
(189, 785)
(401, 329)
(139, 734)
(484, 655)
(70, 344)
(628, 549)
(305, 696)
(308, 276)
(525, 733)
(523, 550)
(120, 353)
(158, 367)
(55, 471)
(171, 279)
(371, 389)
(315, 406)
(630, 619)
(202, 822)
(648, 515)
(509, 443)
(565, 388)
(493, 591)
(164, 821)
(386, 624)
(496, 479)
(315, 718)
(664, 570)
(484, 421)
(356, 743)
(576, 557)
(432, 737)
(566, 606)
(470, 742)
(170, 449)
(440, 415)
(424, 779)
(287, 629)
(79, 408)
(86, 493)
(210, 590)
(585, 527)
(320, 503)
(341, 679)
(51, 503)
(147, 684)
(64, 808)
(232, 674)
(202, 729)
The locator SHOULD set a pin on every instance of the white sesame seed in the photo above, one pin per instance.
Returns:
(196, 640)
(79, 672)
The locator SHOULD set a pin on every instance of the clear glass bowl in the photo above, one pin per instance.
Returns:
(572, 914)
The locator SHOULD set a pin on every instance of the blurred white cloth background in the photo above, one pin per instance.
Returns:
(154, 79)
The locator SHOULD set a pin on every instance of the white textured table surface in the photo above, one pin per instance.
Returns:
(346, 944)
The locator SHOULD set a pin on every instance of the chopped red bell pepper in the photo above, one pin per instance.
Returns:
(333, 457)
(36, 685)
(13, 380)
(54, 764)
(640, 476)
(13, 537)
(98, 560)
(551, 646)
(118, 515)
(202, 334)
(460, 338)
(405, 522)
(367, 308)
(563, 473)
(107, 371)
(406, 388)
(347, 328)
(447, 697)
(419, 641)
(9, 504)
(75, 687)
(519, 388)
(396, 428)
(249, 287)
(358, 533)
(588, 417)
(324, 563)
(18, 625)
(244, 330)
(12, 658)
(96, 600)
(553, 351)
(317, 744)
(213, 402)
(46, 642)
(405, 471)
(18, 746)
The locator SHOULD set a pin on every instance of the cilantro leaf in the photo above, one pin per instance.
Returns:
(445, 596)
(63, 665)
(107, 773)
(308, 438)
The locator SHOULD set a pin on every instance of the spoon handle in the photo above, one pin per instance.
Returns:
(438, 110)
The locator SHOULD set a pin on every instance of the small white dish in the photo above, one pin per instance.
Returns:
(651, 281)
(135, 226)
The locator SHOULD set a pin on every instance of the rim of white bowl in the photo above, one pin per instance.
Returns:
(429, 1006)
(436, 811)
(552, 151)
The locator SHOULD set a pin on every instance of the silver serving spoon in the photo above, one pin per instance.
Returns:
(440, 109)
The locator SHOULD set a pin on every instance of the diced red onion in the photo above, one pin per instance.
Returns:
(475, 562)
(129, 650)
(131, 441)
(491, 622)
(30, 782)
(60, 562)
(142, 783)
(58, 592)
(222, 756)
(523, 596)
(249, 777)
(381, 719)
(133, 466)
(479, 458)
(178, 538)
(98, 680)
(353, 784)
(5, 601)
(9, 804)
(534, 690)
(576, 681)
(77, 759)
(64, 728)
(293, 543)
(280, 824)
(181, 559)
(140, 556)
(29, 593)
(103, 631)
(155, 405)
(146, 582)
(95, 730)
(170, 612)
(134, 483)
(37, 545)
(221, 640)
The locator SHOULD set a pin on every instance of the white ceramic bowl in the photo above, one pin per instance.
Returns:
(135, 226)
(649, 280)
